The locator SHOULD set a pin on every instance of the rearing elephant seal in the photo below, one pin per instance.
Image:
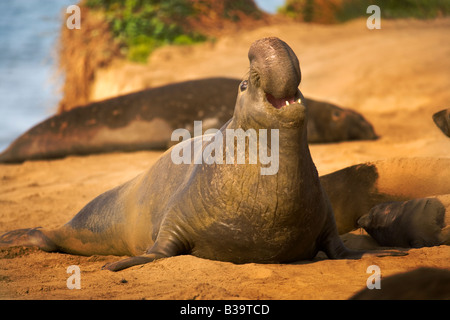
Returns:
(227, 212)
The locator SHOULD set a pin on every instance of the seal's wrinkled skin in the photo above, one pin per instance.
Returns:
(227, 212)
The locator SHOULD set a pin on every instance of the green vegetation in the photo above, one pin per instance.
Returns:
(141, 26)
(298, 9)
(248, 8)
(312, 11)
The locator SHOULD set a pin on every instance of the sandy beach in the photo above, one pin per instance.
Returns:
(397, 77)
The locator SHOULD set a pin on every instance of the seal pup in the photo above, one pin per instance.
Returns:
(414, 223)
(145, 120)
(355, 190)
(226, 212)
(442, 120)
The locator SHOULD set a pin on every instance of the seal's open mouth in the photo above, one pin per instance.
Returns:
(280, 103)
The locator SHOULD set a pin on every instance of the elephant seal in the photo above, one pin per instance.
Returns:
(355, 190)
(415, 223)
(329, 123)
(419, 284)
(146, 119)
(136, 121)
(442, 120)
(227, 212)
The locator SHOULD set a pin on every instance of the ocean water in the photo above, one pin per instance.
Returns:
(270, 6)
(29, 86)
(29, 30)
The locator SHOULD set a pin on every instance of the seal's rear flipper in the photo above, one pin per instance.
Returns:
(31, 237)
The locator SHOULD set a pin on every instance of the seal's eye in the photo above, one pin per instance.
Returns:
(336, 115)
(244, 85)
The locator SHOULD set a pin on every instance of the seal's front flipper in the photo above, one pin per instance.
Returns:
(133, 261)
(160, 249)
(356, 254)
(334, 248)
(342, 252)
(31, 237)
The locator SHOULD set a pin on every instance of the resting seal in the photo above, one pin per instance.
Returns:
(418, 284)
(146, 119)
(227, 212)
(328, 123)
(442, 120)
(355, 190)
(136, 121)
(415, 223)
